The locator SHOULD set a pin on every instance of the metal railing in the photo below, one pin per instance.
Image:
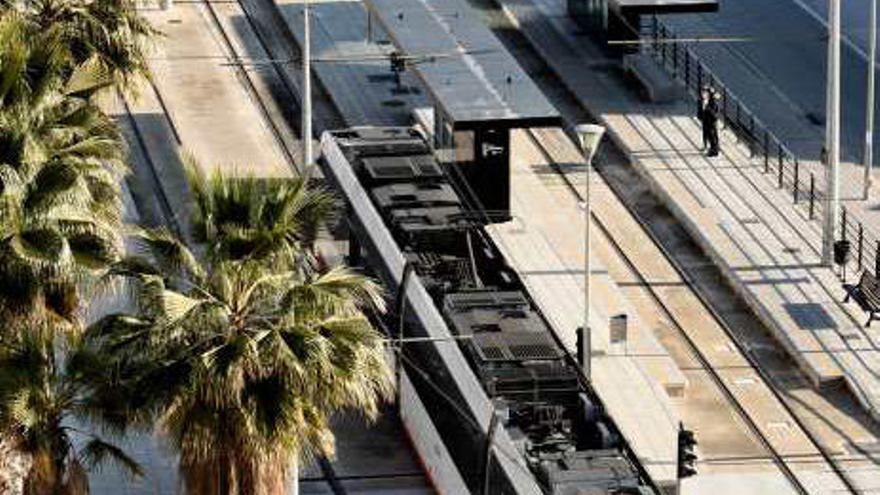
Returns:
(779, 163)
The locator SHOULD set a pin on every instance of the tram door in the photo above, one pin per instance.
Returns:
(490, 173)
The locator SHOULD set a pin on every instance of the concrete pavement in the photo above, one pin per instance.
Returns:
(726, 443)
(766, 247)
(199, 106)
(780, 76)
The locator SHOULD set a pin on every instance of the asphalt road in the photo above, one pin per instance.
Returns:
(780, 74)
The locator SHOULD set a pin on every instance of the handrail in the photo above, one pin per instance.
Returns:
(778, 160)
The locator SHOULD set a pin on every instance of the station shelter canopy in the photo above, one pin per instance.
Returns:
(473, 81)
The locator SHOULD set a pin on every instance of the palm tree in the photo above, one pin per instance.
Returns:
(60, 165)
(243, 361)
(244, 351)
(43, 406)
(239, 218)
(109, 32)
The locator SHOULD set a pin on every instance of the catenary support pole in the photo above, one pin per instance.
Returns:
(307, 90)
(832, 136)
(869, 103)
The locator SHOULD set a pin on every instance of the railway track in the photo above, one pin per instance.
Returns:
(574, 112)
(281, 132)
(741, 409)
(577, 113)
(282, 129)
(166, 210)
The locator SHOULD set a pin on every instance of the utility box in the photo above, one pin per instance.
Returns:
(617, 329)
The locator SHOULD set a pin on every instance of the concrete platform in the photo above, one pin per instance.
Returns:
(766, 247)
(726, 445)
(629, 376)
(199, 107)
(213, 114)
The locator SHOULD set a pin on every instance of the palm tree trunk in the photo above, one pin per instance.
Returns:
(14, 467)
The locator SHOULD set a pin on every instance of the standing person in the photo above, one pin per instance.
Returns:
(711, 117)
(702, 103)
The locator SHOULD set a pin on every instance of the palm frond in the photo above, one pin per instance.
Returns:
(170, 253)
(97, 452)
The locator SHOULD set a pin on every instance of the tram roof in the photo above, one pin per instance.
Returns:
(473, 79)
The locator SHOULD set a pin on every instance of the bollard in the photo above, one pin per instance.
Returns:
(617, 328)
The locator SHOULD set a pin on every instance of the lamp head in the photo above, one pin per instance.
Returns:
(589, 136)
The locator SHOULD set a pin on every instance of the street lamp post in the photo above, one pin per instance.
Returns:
(589, 136)
(832, 135)
(869, 103)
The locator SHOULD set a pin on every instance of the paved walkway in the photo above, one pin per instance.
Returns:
(764, 244)
(199, 106)
(727, 446)
(766, 247)
(539, 244)
(212, 112)
(783, 83)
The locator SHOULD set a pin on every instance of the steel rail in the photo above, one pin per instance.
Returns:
(696, 351)
(164, 203)
(248, 82)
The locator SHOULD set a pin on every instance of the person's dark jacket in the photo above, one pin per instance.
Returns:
(712, 113)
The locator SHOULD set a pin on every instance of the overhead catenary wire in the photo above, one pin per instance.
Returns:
(715, 39)
(823, 452)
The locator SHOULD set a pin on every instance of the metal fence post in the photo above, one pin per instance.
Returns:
(861, 243)
(779, 155)
(663, 44)
(675, 57)
(877, 260)
(766, 151)
(797, 181)
(687, 69)
(699, 76)
(724, 103)
(812, 195)
(655, 31)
